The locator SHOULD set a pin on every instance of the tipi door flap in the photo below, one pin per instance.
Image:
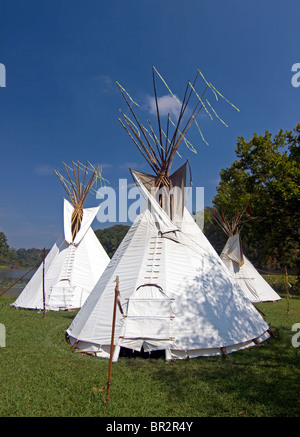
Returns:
(149, 314)
(61, 294)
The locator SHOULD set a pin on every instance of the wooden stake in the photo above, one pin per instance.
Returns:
(112, 340)
(287, 291)
(260, 311)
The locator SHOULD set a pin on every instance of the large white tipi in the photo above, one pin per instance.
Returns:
(254, 286)
(74, 264)
(176, 295)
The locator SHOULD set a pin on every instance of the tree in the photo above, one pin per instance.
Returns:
(111, 237)
(4, 249)
(266, 177)
(212, 231)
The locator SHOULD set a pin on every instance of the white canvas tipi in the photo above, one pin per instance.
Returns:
(72, 267)
(254, 286)
(176, 294)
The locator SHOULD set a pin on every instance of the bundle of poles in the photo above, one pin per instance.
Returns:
(77, 190)
(160, 154)
(231, 227)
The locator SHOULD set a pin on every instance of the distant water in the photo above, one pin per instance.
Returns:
(9, 276)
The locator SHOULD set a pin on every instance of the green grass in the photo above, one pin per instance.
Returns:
(41, 377)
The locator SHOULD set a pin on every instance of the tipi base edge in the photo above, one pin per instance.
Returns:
(103, 351)
(46, 309)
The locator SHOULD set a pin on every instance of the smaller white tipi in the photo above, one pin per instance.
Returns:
(254, 286)
(74, 264)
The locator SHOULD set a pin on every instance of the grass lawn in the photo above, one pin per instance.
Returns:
(41, 376)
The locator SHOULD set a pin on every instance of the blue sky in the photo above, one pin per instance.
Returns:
(61, 103)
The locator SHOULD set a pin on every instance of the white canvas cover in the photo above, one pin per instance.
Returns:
(173, 200)
(87, 219)
(203, 311)
(162, 219)
(254, 286)
(149, 312)
(71, 269)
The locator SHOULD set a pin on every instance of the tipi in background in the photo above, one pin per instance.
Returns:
(76, 261)
(254, 286)
(176, 295)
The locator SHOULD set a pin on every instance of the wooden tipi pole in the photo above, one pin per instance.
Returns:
(287, 291)
(112, 339)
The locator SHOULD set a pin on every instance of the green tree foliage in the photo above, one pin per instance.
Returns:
(19, 258)
(111, 238)
(26, 258)
(4, 249)
(266, 177)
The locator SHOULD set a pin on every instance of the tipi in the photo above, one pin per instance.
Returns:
(254, 286)
(76, 261)
(176, 294)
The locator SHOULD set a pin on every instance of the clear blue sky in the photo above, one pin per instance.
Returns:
(60, 103)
